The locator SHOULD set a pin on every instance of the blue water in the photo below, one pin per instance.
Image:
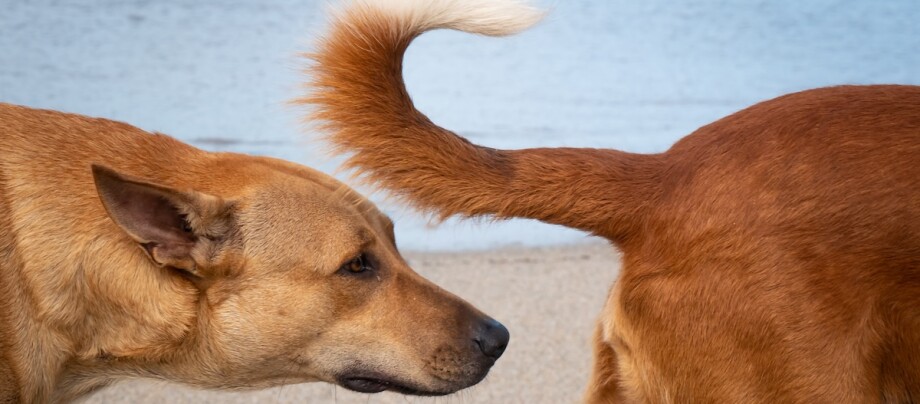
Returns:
(633, 75)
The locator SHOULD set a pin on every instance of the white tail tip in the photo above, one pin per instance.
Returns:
(486, 17)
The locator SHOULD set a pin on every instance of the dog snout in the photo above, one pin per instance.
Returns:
(492, 338)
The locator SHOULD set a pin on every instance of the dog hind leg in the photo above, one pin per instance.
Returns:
(604, 385)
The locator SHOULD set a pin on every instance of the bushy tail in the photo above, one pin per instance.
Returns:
(361, 101)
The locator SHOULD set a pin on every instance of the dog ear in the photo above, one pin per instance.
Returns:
(178, 229)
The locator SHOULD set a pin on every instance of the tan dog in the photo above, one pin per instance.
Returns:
(216, 270)
(770, 257)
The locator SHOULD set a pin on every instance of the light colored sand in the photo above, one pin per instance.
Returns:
(548, 298)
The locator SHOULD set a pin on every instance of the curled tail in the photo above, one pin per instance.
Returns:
(360, 99)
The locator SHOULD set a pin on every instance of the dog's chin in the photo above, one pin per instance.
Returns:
(378, 383)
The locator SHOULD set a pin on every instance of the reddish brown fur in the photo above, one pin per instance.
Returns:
(772, 256)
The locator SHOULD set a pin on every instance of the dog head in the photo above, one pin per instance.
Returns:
(297, 278)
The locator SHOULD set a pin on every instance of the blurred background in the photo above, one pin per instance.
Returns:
(633, 75)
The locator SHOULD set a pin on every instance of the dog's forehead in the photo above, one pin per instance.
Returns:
(290, 217)
(283, 176)
(298, 204)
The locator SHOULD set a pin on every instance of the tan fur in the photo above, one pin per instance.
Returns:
(255, 296)
(772, 256)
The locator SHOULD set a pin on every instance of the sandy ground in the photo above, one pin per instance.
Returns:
(548, 297)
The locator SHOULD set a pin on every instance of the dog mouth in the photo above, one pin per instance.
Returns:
(376, 384)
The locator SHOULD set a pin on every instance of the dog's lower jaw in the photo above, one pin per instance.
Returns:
(444, 382)
(378, 384)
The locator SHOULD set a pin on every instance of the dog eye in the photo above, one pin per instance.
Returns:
(356, 266)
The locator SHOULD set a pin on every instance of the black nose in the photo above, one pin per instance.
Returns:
(492, 338)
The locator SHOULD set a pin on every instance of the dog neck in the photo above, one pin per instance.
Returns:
(79, 328)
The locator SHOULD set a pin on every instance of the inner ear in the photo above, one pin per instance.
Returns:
(149, 215)
(161, 219)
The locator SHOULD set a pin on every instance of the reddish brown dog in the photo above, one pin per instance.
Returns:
(772, 256)
(216, 270)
